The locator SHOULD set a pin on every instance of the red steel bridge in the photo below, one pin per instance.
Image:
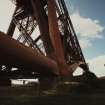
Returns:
(53, 52)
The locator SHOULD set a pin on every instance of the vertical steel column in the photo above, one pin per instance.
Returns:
(12, 26)
(55, 37)
(42, 20)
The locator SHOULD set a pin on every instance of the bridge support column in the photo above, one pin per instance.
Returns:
(47, 83)
(5, 82)
(41, 17)
(4, 79)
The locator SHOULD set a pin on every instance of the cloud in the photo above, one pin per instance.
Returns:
(87, 27)
(85, 43)
(78, 72)
(97, 65)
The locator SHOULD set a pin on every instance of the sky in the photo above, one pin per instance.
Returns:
(88, 19)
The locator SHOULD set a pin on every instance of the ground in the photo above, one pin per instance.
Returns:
(59, 96)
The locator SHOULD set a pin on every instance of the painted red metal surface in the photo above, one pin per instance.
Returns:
(18, 55)
(56, 39)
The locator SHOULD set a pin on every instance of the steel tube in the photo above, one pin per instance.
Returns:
(18, 55)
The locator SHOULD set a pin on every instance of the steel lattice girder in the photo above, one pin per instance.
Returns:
(17, 55)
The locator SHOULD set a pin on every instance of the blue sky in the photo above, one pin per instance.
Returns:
(93, 9)
(88, 18)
